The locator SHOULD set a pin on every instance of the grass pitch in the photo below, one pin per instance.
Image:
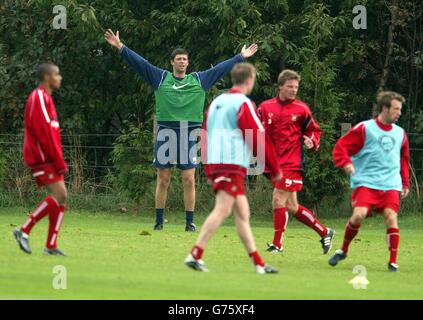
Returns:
(121, 257)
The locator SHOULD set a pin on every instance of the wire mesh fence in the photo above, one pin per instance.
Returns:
(96, 149)
(91, 167)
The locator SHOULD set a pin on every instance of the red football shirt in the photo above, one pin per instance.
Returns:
(42, 144)
(287, 122)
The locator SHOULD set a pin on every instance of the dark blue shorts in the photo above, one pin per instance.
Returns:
(176, 147)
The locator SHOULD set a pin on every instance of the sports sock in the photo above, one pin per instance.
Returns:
(307, 217)
(393, 238)
(257, 259)
(189, 216)
(47, 205)
(55, 222)
(197, 252)
(280, 220)
(159, 216)
(350, 232)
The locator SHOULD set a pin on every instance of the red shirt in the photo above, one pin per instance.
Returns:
(287, 122)
(352, 142)
(42, 144)
(247, 120)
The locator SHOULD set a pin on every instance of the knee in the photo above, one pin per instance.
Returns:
(222, 213)
(242, 217)
(163, 181)
(359, 216)
(292, 208)
(277, 202)
(226, 211)
(188, 182)
(61, 196)
(391, 219)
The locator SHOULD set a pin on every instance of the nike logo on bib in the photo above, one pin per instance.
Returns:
(179, 87)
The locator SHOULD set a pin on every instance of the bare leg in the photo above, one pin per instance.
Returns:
(58, 191)
(280, 198)
(292, 203)
(222, 210)
(188, 181)
(163, 181)
(162, 185)
(242, 221)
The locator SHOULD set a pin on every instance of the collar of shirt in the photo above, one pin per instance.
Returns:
(177, 78)
(41, 87)
(386, 127)
(234, 90)
(285, 102)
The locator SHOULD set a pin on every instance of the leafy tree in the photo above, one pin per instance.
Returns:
(342, 68)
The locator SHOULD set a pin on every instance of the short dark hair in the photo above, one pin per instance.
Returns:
(241, 72)
(384, 99)
(45, 68)
(178, 51)
(286, 75)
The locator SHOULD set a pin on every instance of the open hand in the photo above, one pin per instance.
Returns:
(113, 39)
(250, 51)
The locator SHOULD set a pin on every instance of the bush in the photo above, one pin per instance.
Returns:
(132, 155)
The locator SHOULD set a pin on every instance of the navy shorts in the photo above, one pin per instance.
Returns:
(176, 147)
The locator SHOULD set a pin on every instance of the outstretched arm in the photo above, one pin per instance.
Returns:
(208, 78)
(150, 73)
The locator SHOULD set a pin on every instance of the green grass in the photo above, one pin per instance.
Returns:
(109, 259)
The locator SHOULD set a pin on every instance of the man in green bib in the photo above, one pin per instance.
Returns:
(180, 99)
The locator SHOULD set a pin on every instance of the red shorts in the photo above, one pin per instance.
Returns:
(292, 181)
(46, 175)
(231, 183)
(375, 199)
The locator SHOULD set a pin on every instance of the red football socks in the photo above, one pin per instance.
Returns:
(307, 217)
(197, 252)
(257, 259)
(280, 220)
(55, 222)
(393, 238)
(48, 205)
(350, 232)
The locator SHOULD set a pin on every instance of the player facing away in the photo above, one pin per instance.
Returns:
(180, 99)
(43, 155)
(288, 121)
(376, 155)
(231, 119)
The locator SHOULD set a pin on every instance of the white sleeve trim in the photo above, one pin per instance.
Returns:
(198, 78)
(358, 124)
(43, 106)
(253, 113)
(161, 80)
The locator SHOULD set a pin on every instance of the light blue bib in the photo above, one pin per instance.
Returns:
(225, 142)
(377, 165)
